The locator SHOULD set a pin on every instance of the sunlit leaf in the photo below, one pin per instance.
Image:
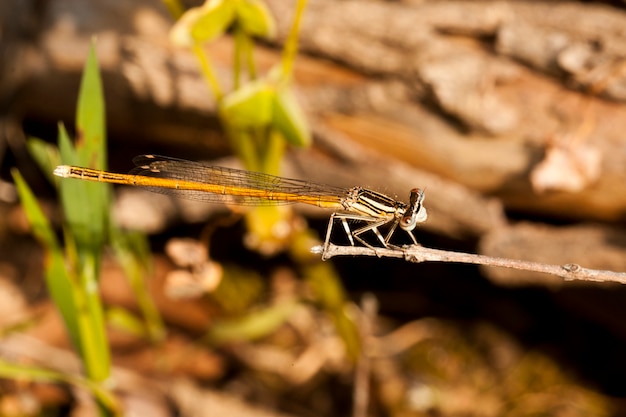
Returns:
(289, 119)
(255, 19)
(204, 23)
(250, 106)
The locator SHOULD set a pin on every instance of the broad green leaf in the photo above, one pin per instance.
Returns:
(250, 106)
(86, 207)
(288, 118)
(91, 146)
(204, 23)
(255, 19)
(58, 278)
(86, 204)
(81, 204)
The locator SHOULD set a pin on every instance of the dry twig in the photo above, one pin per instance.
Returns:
(417, 254)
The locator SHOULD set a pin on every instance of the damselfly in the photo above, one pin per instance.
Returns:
(209, 183)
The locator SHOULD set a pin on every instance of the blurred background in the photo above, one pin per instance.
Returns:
(510, 114)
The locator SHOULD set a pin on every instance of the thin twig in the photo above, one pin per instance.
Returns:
(417, 254)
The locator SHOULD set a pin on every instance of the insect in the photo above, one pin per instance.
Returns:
(210, 183)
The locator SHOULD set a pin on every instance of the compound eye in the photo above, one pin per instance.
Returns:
(408, 223)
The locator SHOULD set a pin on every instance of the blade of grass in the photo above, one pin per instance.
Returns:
(90, 115)
(31, 373)
(58, 278)
(132, 252)
(86, 208)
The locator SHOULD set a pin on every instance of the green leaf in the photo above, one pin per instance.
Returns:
(66, 148)
(58, 278)
(81, 201)
(86, 207)
(91, 145)
(204, 23)
(86, 204)
(248, 107)
(289, 119)
(90, 116)
(255, 19)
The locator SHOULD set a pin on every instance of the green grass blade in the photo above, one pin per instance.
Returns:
(86, 204)
(58, 278)
(86, 207)
(133, 253)
(35, 374)
(81, 204)
(90, 116)
(91, 322)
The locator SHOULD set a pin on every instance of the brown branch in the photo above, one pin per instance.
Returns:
(417, 254)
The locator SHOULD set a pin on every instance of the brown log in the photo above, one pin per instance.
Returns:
(442, 87)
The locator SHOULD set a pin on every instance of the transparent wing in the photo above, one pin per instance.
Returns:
(248, 188)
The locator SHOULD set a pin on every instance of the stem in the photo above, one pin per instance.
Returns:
(291, 45)
(96, 354)
(240, 45)
(249, 53)
(207, 71)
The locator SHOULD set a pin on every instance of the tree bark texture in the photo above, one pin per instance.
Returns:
(493, 107)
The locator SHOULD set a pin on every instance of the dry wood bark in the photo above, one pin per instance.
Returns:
(512, 77)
